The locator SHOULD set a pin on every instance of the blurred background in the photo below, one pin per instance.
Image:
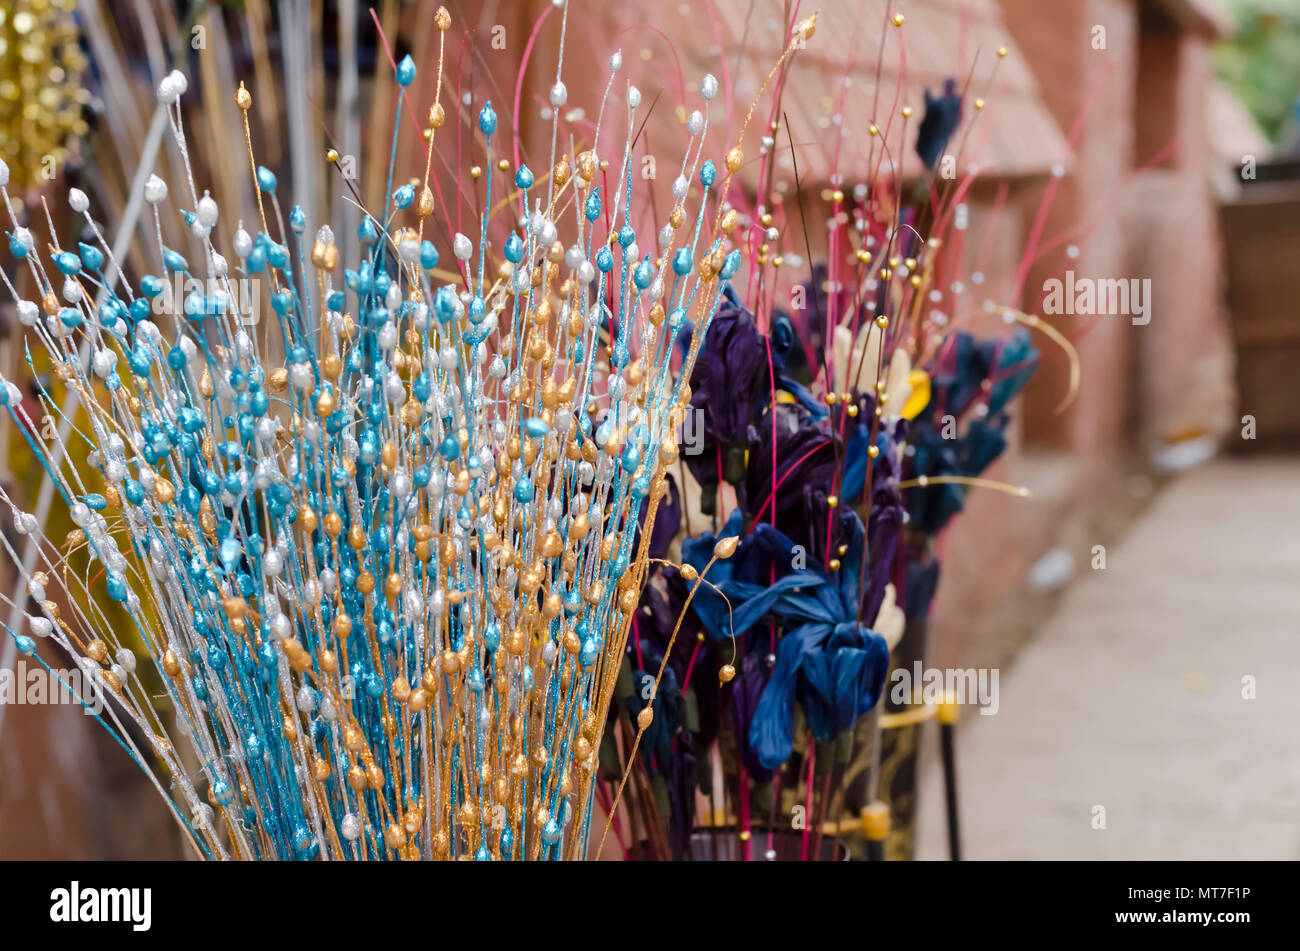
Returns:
(1141, 609)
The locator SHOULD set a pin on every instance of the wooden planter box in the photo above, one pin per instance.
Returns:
(1261, 233)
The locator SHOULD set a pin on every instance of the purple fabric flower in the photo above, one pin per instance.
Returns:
(729, 383)
(807, 458)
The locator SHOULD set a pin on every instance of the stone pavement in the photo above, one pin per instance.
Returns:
(1131, 696)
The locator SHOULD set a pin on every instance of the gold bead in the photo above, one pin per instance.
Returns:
(726, 673)
(898, 19)
(645, 717)
(332, 155)
(725, 547)
(735, 158)
(243, 98)
(401, 689)
(442, 19)
(298, 658)
(352, 739)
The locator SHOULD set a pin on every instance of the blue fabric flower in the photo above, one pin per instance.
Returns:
(832, 664)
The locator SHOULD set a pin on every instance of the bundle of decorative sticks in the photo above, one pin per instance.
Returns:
(382, 543)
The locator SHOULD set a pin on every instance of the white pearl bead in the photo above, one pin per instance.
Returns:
(155, 189)
(207, 211)
(351, 827)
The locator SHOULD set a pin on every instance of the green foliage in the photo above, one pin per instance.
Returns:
(1262, 63)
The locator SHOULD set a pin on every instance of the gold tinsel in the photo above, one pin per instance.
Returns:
(41, 96)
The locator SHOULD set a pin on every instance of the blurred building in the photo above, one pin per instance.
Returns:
(1097, 153)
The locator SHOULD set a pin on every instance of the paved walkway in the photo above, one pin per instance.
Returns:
(1131, 696)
